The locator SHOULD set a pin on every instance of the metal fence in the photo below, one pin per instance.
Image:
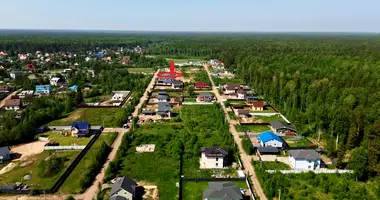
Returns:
(317, 171)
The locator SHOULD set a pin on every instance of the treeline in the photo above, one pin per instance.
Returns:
(41, 111)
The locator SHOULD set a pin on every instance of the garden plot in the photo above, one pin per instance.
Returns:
(62, 140)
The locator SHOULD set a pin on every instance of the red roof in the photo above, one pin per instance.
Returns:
(258, 104)
(201, 84)
(30, 67)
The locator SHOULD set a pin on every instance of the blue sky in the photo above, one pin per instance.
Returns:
(194, 15)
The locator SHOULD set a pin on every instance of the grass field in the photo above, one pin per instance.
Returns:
(95, 116)
(304, 142)
(97, 98)
(232, 115)
(65, 140)
(72, 183)
(268, 119)
(252, 128)
(276, 165)
(194, 190)
(37, 182)
(190, 99)
(141, 70)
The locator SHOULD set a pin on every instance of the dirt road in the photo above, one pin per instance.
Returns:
(144, 97)
(93, 190)
(245, 159)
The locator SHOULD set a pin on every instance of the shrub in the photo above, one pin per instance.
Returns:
(51, 167)
(247, 146)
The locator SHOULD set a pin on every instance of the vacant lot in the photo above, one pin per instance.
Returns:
(268, 119)
(109, 117)
(73, 182)
(101, 98)
(141, 70)
(303, 142)
(194, 190)
(275, 165)
(252, 128)
(37, 182)
(65, 140)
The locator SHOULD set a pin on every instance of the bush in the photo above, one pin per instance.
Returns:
(247, 145)
(51, 167)
(70, 198)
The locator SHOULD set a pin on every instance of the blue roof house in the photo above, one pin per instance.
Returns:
(73, 88)
(43, 89)
(80, 129)
(269, 139)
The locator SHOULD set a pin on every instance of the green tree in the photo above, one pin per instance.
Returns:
(359, 162)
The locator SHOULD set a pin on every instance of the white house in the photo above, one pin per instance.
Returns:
(24, 93)
(213, 157)
(269, 139)
(118, 97)
(304, 159)
(56, 81)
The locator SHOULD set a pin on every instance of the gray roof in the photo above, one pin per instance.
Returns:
(162, 97)
(279, 125)
(4, 151)
(124, 183)
(205, 94)
(214, 152)
(164, 107)
(306, 154)
(222, 190)
(268, 149)
(118, 198)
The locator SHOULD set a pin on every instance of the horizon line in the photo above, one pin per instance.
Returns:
(184, 31)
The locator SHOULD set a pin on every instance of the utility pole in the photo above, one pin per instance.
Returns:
(279, 194)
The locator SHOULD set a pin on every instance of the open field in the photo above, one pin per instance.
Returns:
(65, 140)
(252, 128)
(97, 98)
(303, 142)
(268, 119)
(109, 117)
(73, 182)
(194, 190)
(37, 181)
(201, 126)
(223, 81)
(141, 70)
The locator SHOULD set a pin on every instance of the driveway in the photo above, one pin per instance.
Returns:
(274, 158)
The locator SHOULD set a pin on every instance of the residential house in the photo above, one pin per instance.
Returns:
(256, 105)
(123, 189)
(269, 139)
(12, 104)
(43, 89)
(164, 109)
(280, 127)
(25, 93)
(231, 88)
(165, 81)
(176, 84)
(126, 60)
(205, 97)
(56, 81)
(241, 93)
(119, 96)
(4, 89)
(213, 157)
(241, 113)
(304, 159)
(5, 154)
(163, 97)
(80, 129)
(222, 191)
(15, 74)
(201, 86)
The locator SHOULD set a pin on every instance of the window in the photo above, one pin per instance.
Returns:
(216, 159)
(309, 167)
(216, 164)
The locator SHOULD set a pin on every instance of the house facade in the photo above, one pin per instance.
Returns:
(306, 159)
(213, 158)
(205, 97)
(269, 139)
(43, 89)
(12, 104)
(80, 129)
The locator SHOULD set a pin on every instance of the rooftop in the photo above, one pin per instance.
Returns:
(268, 136)
(214, 152)
(222, 190)
(306, 154)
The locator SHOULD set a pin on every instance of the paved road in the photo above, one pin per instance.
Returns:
(245, 159)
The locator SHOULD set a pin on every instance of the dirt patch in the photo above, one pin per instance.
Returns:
(27, 163)
(8, 168)
(29, 149)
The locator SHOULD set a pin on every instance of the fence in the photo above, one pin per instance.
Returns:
(43, 139)
(317, 171)
(197, 103)
(64, 147)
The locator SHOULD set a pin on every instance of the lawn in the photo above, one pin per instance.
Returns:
(183, 60)
(97, 98)
(37, 182)
(268, 119)
(223, 81)
(190, 99)
(65, 140)
(275, 165)
(194, 190)
(109, 117)
(141, 70)
(72, 183)
(303, 142)
(252, 128)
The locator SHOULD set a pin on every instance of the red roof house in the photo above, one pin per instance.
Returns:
(201, 85)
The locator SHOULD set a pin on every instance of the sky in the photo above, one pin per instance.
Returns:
(194, 15)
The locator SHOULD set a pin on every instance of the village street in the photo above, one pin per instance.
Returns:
(245, 159)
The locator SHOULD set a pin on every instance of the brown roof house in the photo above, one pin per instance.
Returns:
(213, 158)
(12, 104)
(257, 106)
(230, 88)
